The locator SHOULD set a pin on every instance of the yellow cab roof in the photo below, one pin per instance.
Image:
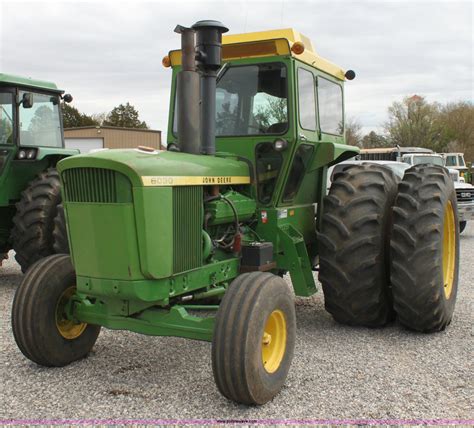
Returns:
(270, 43)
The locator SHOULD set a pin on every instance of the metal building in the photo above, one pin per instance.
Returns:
(88, 138)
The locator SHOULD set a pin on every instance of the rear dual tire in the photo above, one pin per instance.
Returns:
(354, 260)
(425, 249)
(365, 281)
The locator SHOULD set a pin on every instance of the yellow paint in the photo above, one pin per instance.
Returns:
(274, 341)
(160, 181)
(449, 249)
(66, 327)
(270, 43)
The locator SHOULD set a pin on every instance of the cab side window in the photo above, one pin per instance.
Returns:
(306, 99)
(330, 107)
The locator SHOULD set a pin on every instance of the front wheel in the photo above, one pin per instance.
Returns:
(254, 338)
(42, 330)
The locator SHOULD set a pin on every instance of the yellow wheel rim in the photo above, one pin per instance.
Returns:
(274, 341)
(449, 249)
(66, 327)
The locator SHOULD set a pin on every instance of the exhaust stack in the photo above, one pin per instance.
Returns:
(188, 94)
(201, 56)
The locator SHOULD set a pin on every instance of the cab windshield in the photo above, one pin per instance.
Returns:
(432, 160)
(252, 100)
(6, 118)
(40, 125)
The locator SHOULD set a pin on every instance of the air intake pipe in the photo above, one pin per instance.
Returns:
(201, 56)
(209, 58)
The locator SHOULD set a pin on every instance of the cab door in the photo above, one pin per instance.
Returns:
(295, 190)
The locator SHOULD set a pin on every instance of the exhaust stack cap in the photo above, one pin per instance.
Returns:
(209, 43)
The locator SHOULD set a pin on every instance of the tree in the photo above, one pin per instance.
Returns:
(125, 116)
(414, 122)
(353, 128)
(373, 140)
(99, 117)
(457, 122)
(273, 112)
(73, 118)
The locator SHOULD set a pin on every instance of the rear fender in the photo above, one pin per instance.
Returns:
(328, 154)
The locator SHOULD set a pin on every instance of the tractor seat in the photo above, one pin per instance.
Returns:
(277, 128)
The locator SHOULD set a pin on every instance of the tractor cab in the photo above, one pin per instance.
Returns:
(30, 128)
(276, 101)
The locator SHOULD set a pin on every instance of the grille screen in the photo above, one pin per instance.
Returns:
(187, 228)
(95, 185)
(465, 195)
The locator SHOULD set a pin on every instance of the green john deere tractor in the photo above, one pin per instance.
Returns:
(194, 241)
(31, 144)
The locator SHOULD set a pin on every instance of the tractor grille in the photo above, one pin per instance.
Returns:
(187, 228)
(95, 185)
(465, 195)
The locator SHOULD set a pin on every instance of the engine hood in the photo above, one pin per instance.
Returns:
(163, 168)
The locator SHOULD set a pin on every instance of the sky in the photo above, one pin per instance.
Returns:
(109, 52)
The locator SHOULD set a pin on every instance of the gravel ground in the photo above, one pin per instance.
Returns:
(338, 372)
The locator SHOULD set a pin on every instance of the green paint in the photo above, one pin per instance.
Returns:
(175, 321)
(136, 164)
(19, 81)
(159, 291)
(221, 212)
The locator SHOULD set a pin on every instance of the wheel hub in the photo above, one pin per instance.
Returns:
(274, 341)
(449, 250)
(67, 328)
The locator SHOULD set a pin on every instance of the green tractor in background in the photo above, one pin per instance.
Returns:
(237, 201)
(31, 144)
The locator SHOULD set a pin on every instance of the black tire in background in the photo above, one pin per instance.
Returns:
(254, 338)
(462, 226)
(425, 249)
(354, 245)
(40, 329)
(32, 233)
(60, 239)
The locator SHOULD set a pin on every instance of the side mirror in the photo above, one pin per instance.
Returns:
(67, 98)
(27, 100)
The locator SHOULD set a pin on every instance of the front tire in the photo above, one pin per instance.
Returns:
(354, 246)
(462, 226)
(254, 338)
(41, 329)
(425, 249)
(32, 231)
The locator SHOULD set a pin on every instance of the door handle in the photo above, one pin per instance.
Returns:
(303, 137)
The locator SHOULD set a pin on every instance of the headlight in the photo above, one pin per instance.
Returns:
(279, 145)
(31, 154)
(21, 154)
